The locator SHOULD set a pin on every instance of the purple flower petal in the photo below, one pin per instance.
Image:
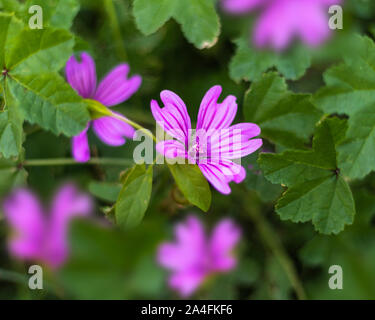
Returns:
(82, 75)
(233, 171)
(214, 115)
(214, 143)
(68, 203)
(112, 131)
(24, 214)
(173, 118)
(115, 88)
(186, 253)
(330, 2)
(216, 177)
(245, 131)
(186, 257)
(237, 150)
(313, 25)
(186, 282)
(221, 173)
(193, 257)
(224, 238)
(171, 149)
(241, 6)
(284, 19)
(234, 143)
(275, 26)
(80, 147)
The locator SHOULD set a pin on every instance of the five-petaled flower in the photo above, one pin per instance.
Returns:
(281, 20)
(114, 89)
(39, 237)
(214, 144)
(195, 256)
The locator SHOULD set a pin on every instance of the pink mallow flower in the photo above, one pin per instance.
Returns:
(281, 20)
(114, 89)
(194, 256)
(39, 237)
(214, 144)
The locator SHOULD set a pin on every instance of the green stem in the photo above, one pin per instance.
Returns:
(69, 161)
(116, 30)
(98, 110)
(269, 237)
(13, 276)
(134, 125)
(139, 116)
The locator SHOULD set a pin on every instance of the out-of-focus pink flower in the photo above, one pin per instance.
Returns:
(194, 256)
(114, 89)
(216, 141)
(37, 236)
(241, 6)
(282, 20)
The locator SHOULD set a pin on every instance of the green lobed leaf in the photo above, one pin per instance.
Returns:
(56, 13)
(31, 59)
(11, 131)
(151, 15)
(11, 176)
(249, 63)
(316, 189)
(10, 27)
(199, 22)
(38, 51)
(50, 102)
(192, 184)
(285, 118)
(11, 119)
(327, 202)
(10, 5)
(8, 136)
(134, 197)
(350, 90)
(255, 180)
(198, 18)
